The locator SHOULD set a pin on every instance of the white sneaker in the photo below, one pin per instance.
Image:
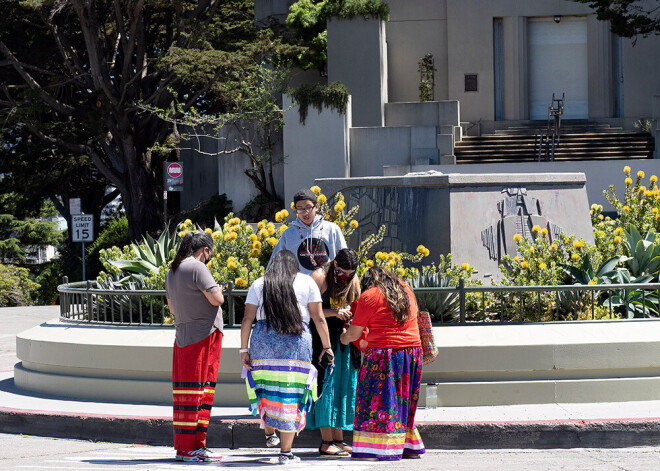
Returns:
(200, 454)
(288, 458)
(272, 440)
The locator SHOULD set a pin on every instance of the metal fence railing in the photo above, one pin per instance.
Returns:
(484, 304)
(84, 302)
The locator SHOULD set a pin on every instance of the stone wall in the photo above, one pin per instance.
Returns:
(357, 57)
(317, 148)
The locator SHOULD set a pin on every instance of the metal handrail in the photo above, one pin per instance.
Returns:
(462, 291)
(83, 302)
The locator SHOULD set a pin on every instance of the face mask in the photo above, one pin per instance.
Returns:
(343, 276)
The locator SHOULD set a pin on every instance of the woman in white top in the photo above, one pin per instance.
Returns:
(280, 378)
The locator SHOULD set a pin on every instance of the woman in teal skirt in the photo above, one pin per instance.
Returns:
(334, 411)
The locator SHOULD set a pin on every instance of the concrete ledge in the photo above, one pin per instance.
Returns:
(130, 364)
(477, 364)
(570, 434)
(243, 433)
(600, 174)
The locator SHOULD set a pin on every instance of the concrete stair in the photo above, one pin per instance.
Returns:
(578, 141)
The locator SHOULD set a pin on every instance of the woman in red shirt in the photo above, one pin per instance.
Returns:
(391, 373)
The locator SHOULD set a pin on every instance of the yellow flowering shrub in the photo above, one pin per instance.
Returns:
(240, 253)
(637, 204)
(345, 218)
(339, 214)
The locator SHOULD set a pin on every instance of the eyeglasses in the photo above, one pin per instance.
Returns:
(306, 210)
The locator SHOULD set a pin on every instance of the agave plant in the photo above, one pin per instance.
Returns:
(443, 306)
(570, 303)
(129, 307)
(151, 255)
(644, 252)
(586, 273)
(631, 303)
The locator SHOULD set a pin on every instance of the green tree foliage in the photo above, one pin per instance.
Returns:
(19, 237)
(36, 172)
(114, 233)
(75, 73)
(250, 125)
(628, 18)
(308, 19)
(16, 288)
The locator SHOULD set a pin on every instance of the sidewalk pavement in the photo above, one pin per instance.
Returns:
(593, 425)
(600, 425)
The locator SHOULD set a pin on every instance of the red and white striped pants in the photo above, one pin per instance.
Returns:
(194, 373)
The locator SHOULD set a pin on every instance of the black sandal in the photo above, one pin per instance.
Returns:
(328, 453)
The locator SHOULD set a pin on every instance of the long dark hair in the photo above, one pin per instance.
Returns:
(191, 243)
(340, 291)
(392, 289)
(279, 298)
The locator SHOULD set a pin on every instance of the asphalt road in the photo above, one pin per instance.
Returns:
(22, 452)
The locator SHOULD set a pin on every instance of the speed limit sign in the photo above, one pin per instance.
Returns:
(82, 228)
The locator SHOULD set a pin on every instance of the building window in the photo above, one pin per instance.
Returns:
(471, 83)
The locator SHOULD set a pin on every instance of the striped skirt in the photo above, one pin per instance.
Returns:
(386, 402)
(282, 383)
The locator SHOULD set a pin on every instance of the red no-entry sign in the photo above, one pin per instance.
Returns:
(174, 170)
(173, 176)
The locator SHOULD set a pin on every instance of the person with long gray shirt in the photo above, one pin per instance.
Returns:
(194, 299)
(313, 240)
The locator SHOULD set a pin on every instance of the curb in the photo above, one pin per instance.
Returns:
(246, 433)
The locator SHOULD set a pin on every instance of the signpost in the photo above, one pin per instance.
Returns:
(173, 175)
(74, 206)
(82, 230)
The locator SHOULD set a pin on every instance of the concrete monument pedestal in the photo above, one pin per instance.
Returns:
(472, 216)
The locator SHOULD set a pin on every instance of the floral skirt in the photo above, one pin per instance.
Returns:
(336, 405)
(282, 383)
(386, 402)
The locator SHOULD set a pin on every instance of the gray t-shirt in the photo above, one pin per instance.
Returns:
(194, 317)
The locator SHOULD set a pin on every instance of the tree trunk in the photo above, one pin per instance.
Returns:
(142, 206)
(140, 194)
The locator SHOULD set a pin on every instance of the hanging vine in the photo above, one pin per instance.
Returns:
(333, 96)
(426, 78)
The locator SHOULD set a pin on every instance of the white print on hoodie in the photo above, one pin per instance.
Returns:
(312, 245)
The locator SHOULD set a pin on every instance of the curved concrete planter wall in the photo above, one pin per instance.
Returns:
(477, 365)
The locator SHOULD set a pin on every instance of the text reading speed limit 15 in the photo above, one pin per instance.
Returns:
(82, 228)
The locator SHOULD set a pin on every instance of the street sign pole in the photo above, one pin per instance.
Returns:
(165, 207)
(172, 181)
(82, 230)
